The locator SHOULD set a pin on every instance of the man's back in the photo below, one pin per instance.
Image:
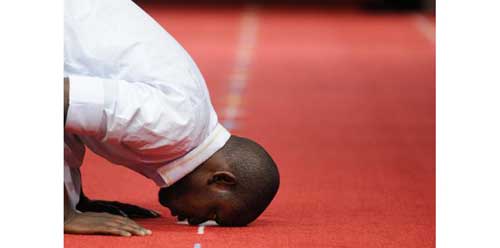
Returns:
(144, 102)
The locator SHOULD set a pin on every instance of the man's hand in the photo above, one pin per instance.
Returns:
(102, 223)
(98, 223)
(116, 208)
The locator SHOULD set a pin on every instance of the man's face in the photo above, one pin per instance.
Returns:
(188, 200)
(196, 199)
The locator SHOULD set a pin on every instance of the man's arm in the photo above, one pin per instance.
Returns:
(112, 207)
(93, 222)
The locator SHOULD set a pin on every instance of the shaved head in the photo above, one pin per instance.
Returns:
(233, 187)
(257, 177)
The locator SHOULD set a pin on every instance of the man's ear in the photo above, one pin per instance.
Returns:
(223, 178)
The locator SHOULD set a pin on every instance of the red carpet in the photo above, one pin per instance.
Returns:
(345, 103)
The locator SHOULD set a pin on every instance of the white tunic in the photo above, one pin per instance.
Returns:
(136, 97)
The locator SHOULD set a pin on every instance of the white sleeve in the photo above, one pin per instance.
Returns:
(86, 106)
(132, 113)
(132, 83)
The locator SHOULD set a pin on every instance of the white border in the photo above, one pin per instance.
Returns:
(31, 143)
(468, 124)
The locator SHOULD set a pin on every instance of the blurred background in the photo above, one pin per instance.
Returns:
(428, 5)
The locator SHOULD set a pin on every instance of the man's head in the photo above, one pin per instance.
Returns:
(233, 187)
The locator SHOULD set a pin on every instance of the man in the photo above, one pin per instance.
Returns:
(134, 96)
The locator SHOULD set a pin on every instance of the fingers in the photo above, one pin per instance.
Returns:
(104, 223)
(129, 226)
(114, 231)
(124, 224)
